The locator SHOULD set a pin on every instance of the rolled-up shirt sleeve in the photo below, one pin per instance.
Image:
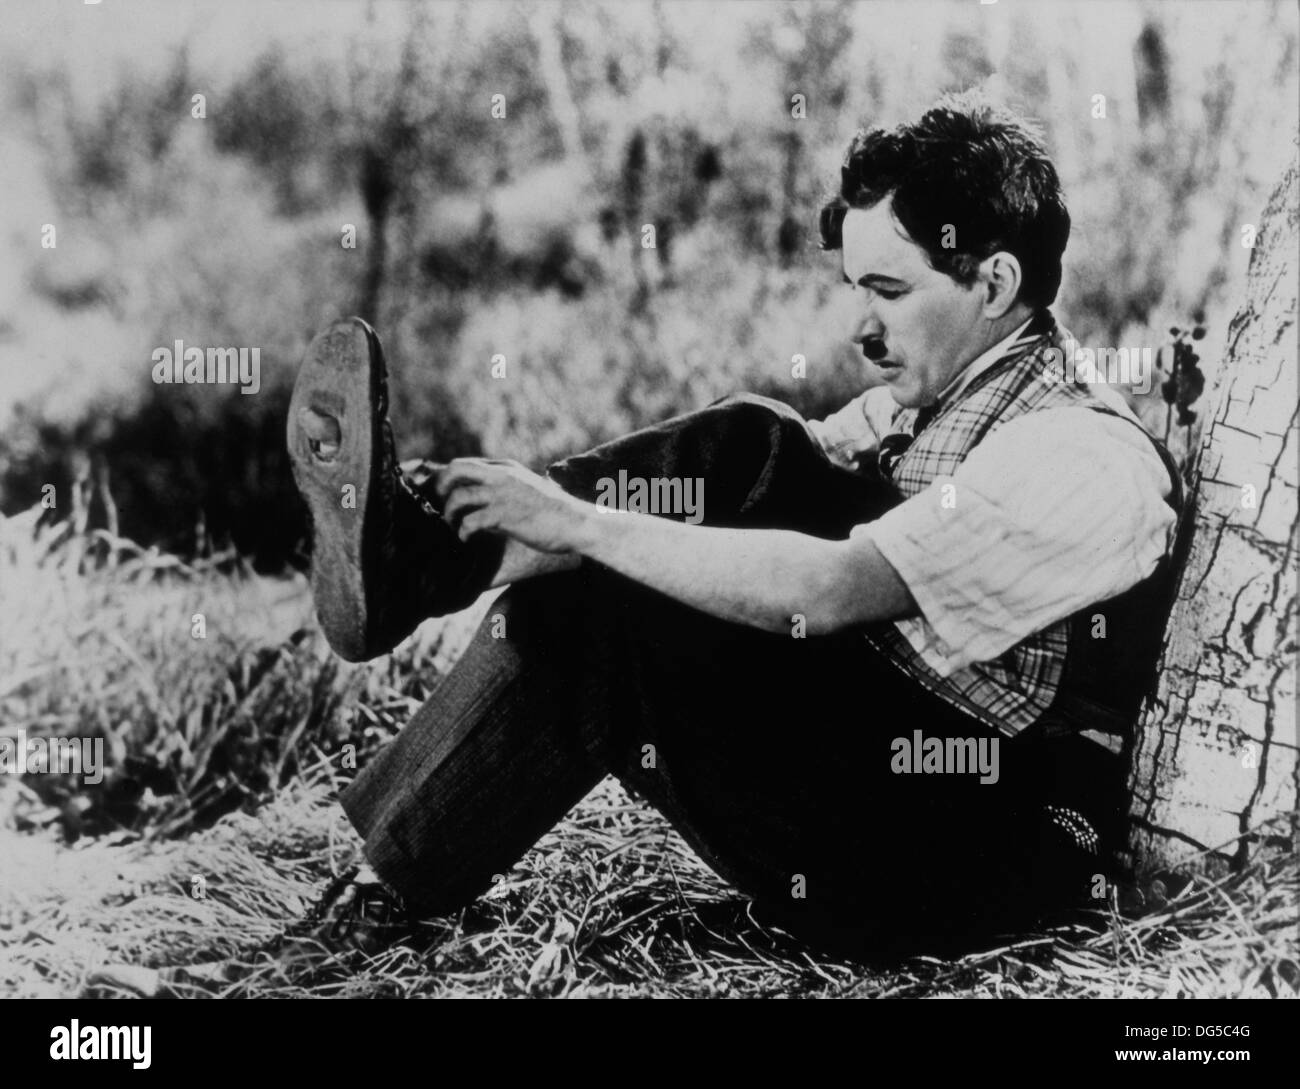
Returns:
(1053, 511)
(856, 428)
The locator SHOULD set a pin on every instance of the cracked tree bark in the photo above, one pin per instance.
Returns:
(1215, 764)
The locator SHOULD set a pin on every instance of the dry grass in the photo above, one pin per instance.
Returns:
(611, 903)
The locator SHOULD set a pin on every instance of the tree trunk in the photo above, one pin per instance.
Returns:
(1215, 767)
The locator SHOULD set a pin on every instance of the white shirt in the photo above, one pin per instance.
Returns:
(1054, 510)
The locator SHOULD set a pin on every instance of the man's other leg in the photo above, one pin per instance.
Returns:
(506, 744)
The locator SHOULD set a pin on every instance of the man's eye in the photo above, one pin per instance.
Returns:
(881, 292)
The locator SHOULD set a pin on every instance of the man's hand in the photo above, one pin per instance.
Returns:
(504, 497)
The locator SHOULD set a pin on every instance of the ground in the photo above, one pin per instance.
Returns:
(217, 827)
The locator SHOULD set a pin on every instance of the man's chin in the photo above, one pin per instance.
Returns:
(903, 397)
(902, 390)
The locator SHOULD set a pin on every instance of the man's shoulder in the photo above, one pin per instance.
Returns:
(1111, 441)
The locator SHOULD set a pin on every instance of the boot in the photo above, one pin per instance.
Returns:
(383, 558)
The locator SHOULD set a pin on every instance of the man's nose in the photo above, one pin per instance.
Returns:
(868, 327)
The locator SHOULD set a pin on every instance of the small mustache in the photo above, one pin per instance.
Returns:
(874, 348)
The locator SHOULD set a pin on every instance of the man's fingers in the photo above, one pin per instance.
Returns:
(473, 522)
(465, 498)
(461, 471)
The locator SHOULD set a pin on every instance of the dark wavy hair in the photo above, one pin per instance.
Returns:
(966, 163)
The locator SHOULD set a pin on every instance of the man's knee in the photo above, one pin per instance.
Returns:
(757, 407)
(737, 447)
(766, 419)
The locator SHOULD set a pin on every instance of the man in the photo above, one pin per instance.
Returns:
(970, 558)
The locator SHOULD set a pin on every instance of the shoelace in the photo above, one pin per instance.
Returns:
(316, 913)
(370, 902)
(414, 493)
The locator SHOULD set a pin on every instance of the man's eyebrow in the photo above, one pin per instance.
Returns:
(873, 279)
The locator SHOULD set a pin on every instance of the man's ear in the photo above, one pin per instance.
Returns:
(1001, 279)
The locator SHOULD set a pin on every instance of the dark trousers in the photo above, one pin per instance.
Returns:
(772, 755)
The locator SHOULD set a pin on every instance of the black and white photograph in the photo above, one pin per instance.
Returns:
(606, 499)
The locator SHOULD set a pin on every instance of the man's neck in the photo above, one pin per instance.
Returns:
(1002, 333)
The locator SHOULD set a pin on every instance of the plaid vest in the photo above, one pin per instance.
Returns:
(1060, 678)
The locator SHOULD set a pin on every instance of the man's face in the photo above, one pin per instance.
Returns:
(923, 326)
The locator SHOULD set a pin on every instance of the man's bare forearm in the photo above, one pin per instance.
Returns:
(759, 577)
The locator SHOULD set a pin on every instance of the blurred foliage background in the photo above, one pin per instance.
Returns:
(522, 235)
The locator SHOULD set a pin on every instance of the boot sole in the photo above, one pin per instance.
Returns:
(342, 374)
